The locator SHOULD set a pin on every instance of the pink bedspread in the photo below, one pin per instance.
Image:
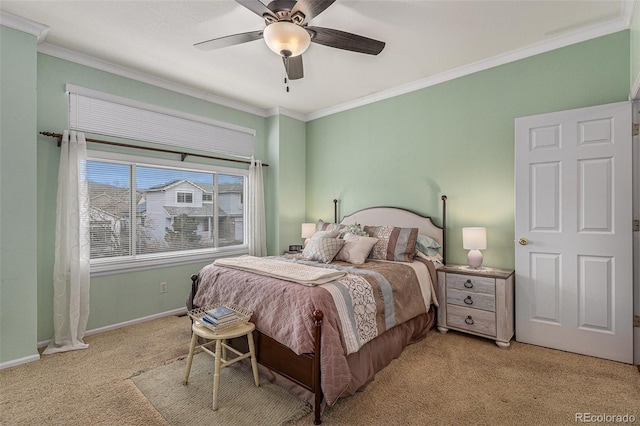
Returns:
(283, 310)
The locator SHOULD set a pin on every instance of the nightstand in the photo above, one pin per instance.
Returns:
(477, 301)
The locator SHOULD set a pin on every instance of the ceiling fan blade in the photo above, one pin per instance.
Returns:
(230, 40)
(257, 7)
(311, 8)
(293, 67)
(345, 41)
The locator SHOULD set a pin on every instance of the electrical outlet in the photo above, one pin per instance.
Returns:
(163, 287)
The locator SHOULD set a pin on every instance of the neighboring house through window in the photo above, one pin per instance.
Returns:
(146, 212)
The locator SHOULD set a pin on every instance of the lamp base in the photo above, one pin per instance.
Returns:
(474, 258)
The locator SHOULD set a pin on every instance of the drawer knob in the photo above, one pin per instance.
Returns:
(468, 300)
(469, 320)
(468, 284)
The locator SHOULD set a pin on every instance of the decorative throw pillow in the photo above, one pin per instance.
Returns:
(322, 249)
(356, 248)
(325, 234)
(427, 245)
(325, 226)
(354, 229)
(398, 244)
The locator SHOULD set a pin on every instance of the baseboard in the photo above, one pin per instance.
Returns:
(19, 361)
(178, 311)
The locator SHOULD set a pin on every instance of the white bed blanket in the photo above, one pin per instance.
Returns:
(289, 271)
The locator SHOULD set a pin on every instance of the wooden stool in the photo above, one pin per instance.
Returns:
(220, 354)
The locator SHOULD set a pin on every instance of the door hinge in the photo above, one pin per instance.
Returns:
(636, 225)
(636, 320)
(635, 130)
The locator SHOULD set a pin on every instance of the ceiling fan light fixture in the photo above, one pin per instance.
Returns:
(286, 39)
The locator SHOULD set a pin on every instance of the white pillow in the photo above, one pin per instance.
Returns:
(356, 248)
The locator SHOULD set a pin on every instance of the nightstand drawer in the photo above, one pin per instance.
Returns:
(471, 283)
(475, 320)
(467, 299)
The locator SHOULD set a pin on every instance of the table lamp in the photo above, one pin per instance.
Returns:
(474, 240)
(308, 229)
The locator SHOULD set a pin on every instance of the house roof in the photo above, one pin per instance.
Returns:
(171, 184)
(205, 210)
(204, 187)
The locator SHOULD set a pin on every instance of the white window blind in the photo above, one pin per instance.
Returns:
(101, 113)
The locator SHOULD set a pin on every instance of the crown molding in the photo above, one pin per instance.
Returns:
(25, 25)
(619, 24)
(92, 62)
(287, 112)
(99, 64)
(626, 12)
(623, 22)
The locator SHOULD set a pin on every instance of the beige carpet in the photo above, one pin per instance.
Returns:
(458, 379)
(240, 403)
(446, 379)
(92, 386)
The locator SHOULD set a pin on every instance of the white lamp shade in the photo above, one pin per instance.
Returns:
(474, 238)
(308, 229)
(286, 39)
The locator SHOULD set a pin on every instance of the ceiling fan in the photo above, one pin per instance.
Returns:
(288, 34)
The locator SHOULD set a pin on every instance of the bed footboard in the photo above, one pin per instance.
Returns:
(303, 370)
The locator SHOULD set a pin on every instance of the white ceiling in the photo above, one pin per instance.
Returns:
(426, 42)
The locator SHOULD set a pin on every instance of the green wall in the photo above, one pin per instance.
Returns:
(127, 296)
(18, 239)
(291, 181)
(456, 138)
(286, 148)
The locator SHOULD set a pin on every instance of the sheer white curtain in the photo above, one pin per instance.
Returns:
(71, 268)
(257, 238)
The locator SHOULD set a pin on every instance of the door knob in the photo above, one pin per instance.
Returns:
(523, 241)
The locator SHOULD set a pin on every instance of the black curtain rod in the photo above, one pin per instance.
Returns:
(183, 155)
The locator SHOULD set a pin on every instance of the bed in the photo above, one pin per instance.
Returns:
(325, 336)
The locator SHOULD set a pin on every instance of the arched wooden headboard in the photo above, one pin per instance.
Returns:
(395, 216)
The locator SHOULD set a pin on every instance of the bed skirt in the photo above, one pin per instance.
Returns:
(370, 359)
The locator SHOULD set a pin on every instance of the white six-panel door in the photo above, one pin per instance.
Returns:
(574, 268)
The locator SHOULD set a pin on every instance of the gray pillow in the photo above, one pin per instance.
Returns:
(322, 249)
(427, 245)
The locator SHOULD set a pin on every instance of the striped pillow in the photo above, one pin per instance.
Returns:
(321, 225)
(397, 244)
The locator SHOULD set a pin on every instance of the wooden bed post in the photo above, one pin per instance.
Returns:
(194, 289)
(317, 390)
(444, 229)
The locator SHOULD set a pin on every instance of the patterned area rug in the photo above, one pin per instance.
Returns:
(240, 402)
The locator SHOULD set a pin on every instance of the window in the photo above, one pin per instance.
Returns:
(143, 213)
(185, 197)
